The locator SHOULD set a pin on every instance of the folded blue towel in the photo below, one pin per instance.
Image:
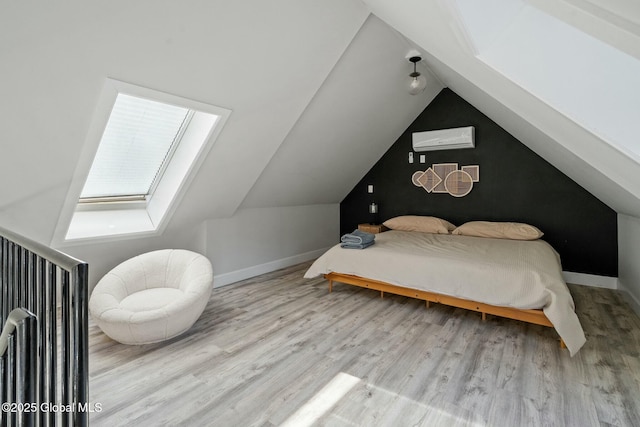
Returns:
(358, 237)
(347, 245)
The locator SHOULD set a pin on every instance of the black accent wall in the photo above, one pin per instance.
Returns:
(515, 185)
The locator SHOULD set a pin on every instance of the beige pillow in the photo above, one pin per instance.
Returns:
(425, 224)
(499, 230)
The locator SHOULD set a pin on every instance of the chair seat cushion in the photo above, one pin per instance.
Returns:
(150, 299)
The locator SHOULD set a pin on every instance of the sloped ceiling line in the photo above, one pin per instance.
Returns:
(428, 24)
(361, 109)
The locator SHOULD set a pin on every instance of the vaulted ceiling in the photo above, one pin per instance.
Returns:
(317, 91)
(559, 75)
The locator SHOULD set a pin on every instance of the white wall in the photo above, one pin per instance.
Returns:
(251, 242)
(256, 241)
(629, 258)
(102, 257)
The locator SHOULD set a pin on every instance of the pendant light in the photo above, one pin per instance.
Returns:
(418, 82)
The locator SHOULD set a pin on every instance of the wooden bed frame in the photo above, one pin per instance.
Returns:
(530, 316)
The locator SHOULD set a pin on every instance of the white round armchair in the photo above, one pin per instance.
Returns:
(152, 297)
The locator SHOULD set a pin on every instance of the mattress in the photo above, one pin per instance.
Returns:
(502, 272)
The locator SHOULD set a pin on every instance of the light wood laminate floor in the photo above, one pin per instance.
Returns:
(279, 349)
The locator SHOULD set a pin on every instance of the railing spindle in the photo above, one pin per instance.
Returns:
(36, 367)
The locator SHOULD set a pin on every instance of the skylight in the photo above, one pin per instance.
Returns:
(138, 140)
(142, 150)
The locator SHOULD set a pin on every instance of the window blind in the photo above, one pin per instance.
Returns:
(137, 140)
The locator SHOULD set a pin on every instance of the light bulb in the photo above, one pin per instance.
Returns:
(417, 83)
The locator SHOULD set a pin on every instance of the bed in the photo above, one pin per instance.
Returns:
(511, 278)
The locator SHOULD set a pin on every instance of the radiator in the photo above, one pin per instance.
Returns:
(44, 358)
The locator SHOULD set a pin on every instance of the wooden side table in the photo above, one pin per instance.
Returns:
(372, 228)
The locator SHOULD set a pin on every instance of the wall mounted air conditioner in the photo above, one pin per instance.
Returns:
(444, 139)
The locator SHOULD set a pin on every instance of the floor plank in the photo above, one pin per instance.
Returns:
(268, 349)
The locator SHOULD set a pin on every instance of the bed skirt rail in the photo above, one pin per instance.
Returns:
(44, 361)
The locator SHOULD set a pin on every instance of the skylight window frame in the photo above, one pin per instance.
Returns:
(170, 153)
(130, 218)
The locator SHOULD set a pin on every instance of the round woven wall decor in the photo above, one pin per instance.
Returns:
(458, 183)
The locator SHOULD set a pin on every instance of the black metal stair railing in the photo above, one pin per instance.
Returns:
(44, 357)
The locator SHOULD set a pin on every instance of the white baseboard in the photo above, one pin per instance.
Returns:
(591, 280)
(631, 299)
(224, 279)
(256, 270)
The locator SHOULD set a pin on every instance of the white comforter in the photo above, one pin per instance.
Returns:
(512, 273)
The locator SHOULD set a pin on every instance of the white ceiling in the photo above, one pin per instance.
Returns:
(588, 82)
(565, 140)
(316, 89)
(317, 92)
(334, 143)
